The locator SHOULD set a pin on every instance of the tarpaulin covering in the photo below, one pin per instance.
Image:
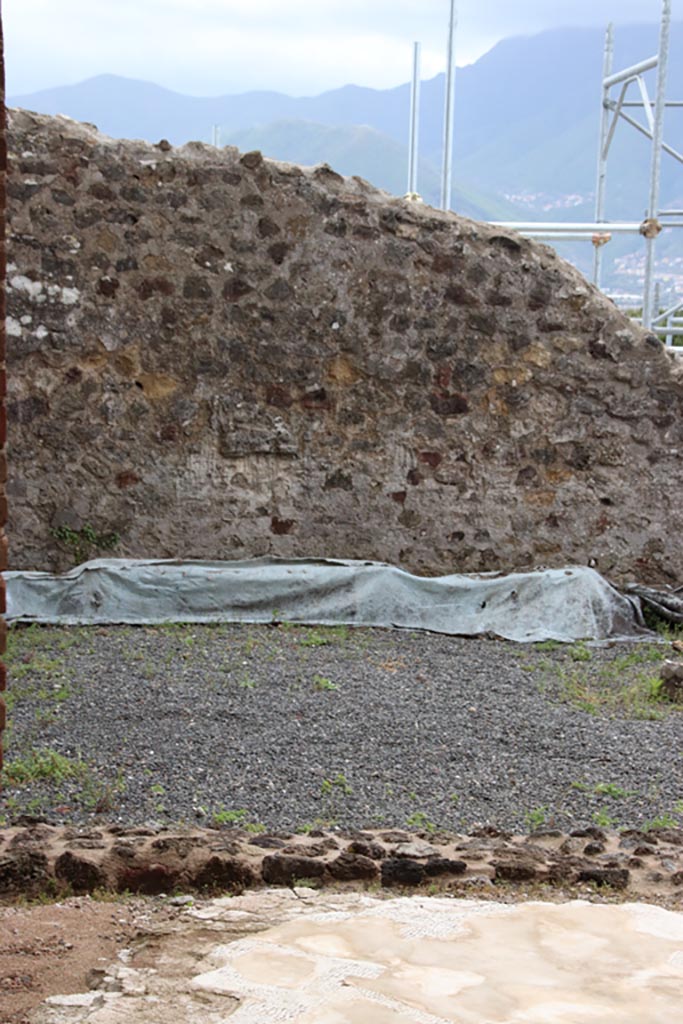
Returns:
(559, 604)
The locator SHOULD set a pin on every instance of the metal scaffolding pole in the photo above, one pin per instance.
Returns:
(629, 73)
(588, 227)
(448, 114)
(601, 230)
(656, 167)
(601, 186)
(414, 121)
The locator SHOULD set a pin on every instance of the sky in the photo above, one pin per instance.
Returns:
(300, 47)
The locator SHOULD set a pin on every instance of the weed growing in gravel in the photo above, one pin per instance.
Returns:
(611, 789)
(171, 628)
(24, 640)
(604, 789)
(536, 818)
(331, 790)
(39, 766)
(323, 636)
(604, 819)
(420, 820)
(339, 782)
(622, 686)
(38, 663)
(250, 643)
(644, 654)
(323, 683)
(663, 821)
(237, 818)
(579, 652)
(228, 817)
(99, 796)
(318, 823)
(314, 638)
(548, 645)
(12, 804)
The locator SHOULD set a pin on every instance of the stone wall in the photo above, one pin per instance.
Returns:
(214, 355)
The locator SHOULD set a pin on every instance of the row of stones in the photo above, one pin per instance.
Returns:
(142, 860)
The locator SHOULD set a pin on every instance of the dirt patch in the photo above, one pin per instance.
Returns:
(59, 947)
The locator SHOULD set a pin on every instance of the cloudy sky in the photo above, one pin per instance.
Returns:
(302, 47)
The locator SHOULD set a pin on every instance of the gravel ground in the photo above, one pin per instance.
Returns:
(292, 727)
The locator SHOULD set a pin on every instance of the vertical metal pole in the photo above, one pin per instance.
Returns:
(3, 416)
(447, 172)
(656, 168)
(601, 183)
(414, 120)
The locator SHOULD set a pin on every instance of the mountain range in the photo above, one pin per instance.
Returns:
(526, 125)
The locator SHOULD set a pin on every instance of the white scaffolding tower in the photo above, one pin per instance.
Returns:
(601, 230)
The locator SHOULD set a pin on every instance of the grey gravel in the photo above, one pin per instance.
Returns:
(294, 727)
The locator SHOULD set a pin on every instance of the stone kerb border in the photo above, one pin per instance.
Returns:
(40, 859)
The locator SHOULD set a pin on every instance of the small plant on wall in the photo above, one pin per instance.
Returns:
(85, 542)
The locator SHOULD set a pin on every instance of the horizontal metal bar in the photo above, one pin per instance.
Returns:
(560, 236)
(632, 72)
(670, 213)
(605, 227)
(638, 103)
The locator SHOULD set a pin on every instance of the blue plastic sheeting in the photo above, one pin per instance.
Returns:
(549, 604)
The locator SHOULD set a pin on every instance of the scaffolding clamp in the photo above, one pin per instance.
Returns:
(650, 227)
(601, 238)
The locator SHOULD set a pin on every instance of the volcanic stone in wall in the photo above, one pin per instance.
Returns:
(213, 355)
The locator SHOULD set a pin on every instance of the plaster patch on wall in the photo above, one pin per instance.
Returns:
(67, 296)
(21, 283)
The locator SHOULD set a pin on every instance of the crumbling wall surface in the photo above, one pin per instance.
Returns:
(213, 355)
